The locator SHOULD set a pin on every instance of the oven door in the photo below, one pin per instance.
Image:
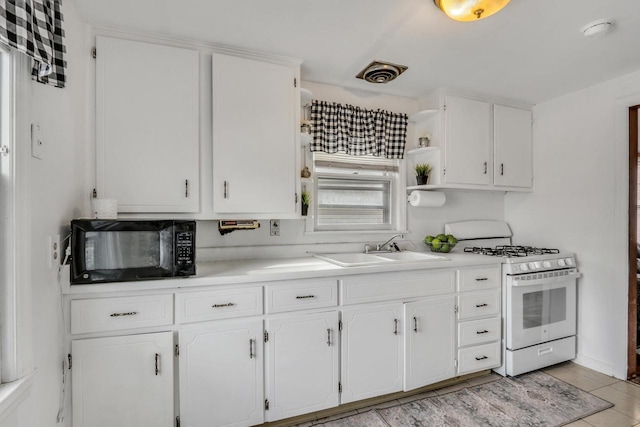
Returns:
(540, 307)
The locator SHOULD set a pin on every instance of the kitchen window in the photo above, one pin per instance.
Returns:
(356, 193)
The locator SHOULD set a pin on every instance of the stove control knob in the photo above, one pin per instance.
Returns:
(524, 267)
(533, 265)
(546, 264)
(568, 261)
(561, 263)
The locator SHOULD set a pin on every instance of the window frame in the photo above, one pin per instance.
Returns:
(397, 187)
(15, 274)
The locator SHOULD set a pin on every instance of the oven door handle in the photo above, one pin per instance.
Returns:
(544, 280)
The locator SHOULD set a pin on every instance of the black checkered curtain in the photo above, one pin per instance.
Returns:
(357, 131)
(34, 27)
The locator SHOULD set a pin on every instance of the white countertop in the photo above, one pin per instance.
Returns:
(267, 270)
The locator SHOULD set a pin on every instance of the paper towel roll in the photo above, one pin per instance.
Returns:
(427, 199)
(104, 208)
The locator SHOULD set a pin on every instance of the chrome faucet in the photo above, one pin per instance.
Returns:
(381, 247)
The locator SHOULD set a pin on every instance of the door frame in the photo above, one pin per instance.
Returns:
(632, 368)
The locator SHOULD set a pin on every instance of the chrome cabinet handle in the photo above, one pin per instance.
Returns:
(226, 190)
(329, 337)
(482, 332)
(305, 296)
(482, 305)
(251, 355)
(485, 168)
(415, 324)
(186, 188)
(229, 304)
(129, 313)
(501, 168)
(157, 363)
(481, 279)
(395, 329)
(481, 358)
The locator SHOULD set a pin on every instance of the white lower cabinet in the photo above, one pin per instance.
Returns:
(302, 364)
(221, 374)
(125, 381)
(371, 351)
(429, 341)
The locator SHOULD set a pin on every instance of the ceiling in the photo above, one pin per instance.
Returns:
(531, 51)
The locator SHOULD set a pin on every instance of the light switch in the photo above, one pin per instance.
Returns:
(37, 145)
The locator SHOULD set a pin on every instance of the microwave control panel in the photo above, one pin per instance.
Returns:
(185, 248)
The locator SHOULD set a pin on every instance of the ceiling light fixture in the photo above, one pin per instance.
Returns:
(381, 72)
(470, 10)
(597, 29)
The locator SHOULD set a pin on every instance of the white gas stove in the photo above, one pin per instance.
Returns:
(538, 296)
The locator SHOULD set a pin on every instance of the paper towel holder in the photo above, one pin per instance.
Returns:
(426, 199)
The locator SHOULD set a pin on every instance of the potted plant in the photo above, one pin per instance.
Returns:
(422, 173)
(306, 199)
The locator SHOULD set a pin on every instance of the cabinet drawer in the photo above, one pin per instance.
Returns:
(477, 358)
(478, 331)
(393, 286)
(479, 304)
(112, 314)
(218, 304)
(472, 279)
(299, 296)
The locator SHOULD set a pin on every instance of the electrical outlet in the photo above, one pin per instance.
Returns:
(275, 227)
(53, 249)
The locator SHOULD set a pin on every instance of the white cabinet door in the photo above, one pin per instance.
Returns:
(302, 364)
(467, 141)
(429, 341)
(371, 351)
(221, 374)
(147, 122)
(123, 381)
(254, 136)
(512, 147)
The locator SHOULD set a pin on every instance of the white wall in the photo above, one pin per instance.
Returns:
(59, 191)
(579, 205)
(293, 241)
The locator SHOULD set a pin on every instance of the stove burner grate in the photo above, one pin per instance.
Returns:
(508, 251)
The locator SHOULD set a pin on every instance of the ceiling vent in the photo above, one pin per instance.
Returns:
(381, 72)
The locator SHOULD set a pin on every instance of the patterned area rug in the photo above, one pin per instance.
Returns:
(535, 399)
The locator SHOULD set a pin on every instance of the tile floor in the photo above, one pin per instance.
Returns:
(623, 394)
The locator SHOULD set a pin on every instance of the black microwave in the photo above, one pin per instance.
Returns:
(129, 250)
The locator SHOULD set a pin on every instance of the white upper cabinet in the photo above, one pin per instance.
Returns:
(255, 146)
(147, 126)
(467, 156)
(512, 147)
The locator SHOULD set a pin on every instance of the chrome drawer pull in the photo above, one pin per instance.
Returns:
(481, 279)
(251, 355)
(481, 358)
(305, 296)
(329, 337)
(229, 304)
(482, 305)
(130, 313)
(157, 363)
(395, 323)
(482, 332)
(415, 324)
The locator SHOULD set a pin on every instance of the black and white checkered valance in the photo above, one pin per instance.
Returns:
(357, 131)
(34, 27)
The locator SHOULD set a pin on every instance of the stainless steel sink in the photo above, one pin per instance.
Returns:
(356, 259)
